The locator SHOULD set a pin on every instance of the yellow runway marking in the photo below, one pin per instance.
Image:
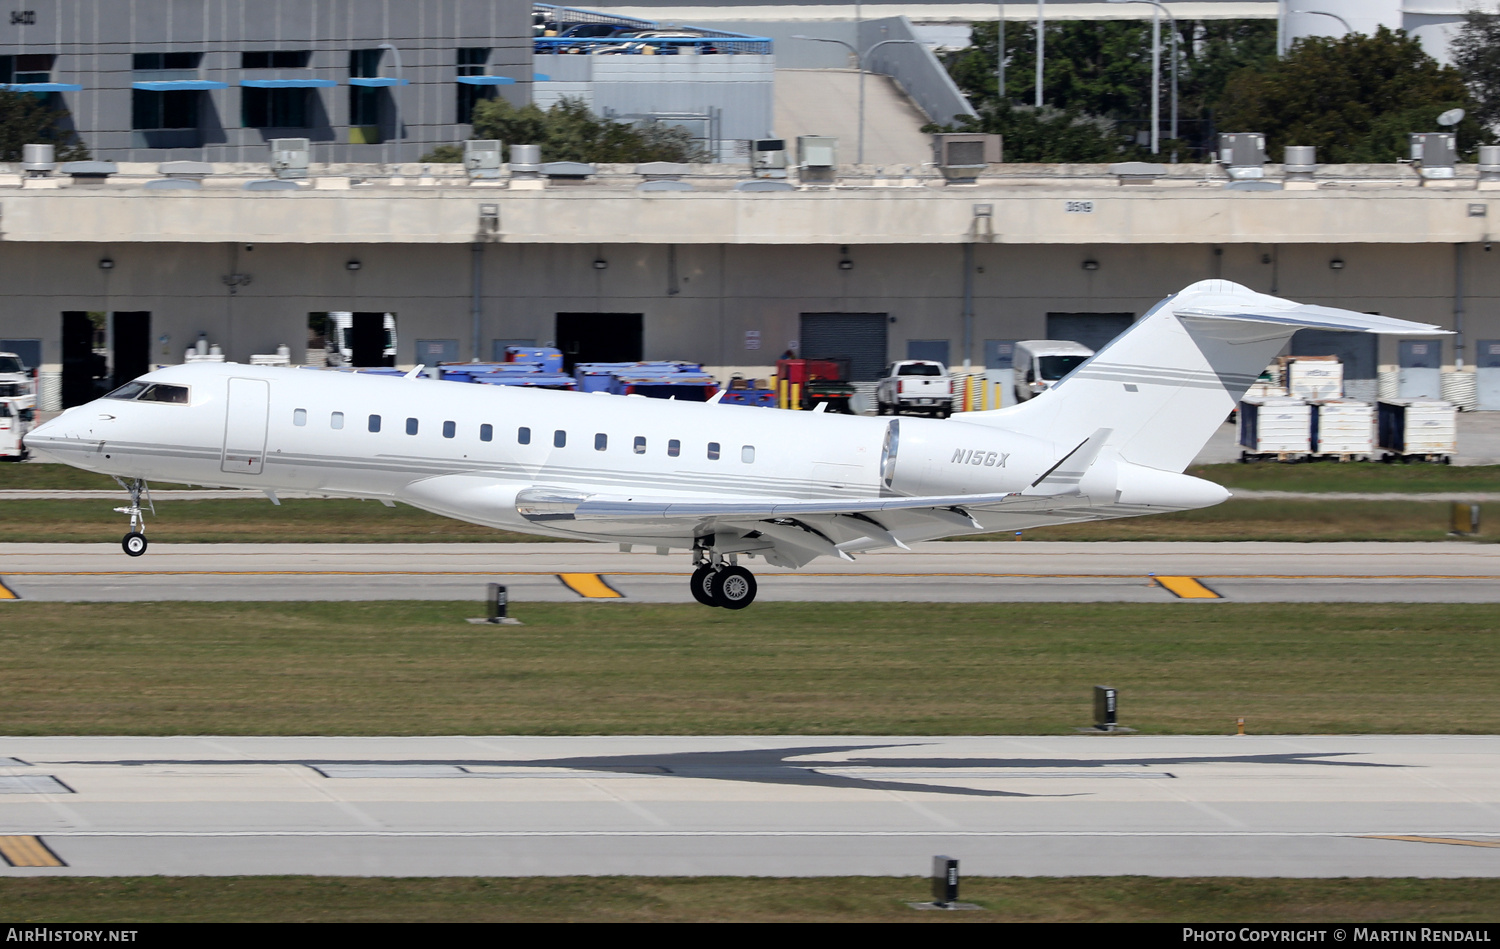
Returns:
(1456, 841)
(1187, 588)
(6, 593)
(28, 852)
(589, 585)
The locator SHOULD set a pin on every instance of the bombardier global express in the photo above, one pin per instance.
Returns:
(719, 481)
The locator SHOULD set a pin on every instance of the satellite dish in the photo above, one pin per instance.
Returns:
(1451, 117)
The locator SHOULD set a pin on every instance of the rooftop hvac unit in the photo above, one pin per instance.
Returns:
(768, 158)
(289, 157)
(817, 157)
(482, 158)
(962, 156)
(1434, 154)
(1243, 154)
(38, 160)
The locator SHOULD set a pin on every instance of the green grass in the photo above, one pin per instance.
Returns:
(1332, 476)
(116, 900)
(414, 668)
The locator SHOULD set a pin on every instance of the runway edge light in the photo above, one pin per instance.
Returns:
(1106, 708)
(944, 886)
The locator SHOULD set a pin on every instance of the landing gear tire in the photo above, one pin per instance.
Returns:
(703, 585)
(734, 588)
(134, 543)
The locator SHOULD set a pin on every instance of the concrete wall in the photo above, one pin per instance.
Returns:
(94, 41)
(722, 290)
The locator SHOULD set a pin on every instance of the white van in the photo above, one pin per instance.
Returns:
(16, 419)
(1039, 363)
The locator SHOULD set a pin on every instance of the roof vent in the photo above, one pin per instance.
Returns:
(482, 158)
(1243, 154)
(289, 157)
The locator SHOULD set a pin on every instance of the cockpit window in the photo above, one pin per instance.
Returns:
(149, 392)
(177, 395)
(128, 391)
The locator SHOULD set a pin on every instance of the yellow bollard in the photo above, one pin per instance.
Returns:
(984, 397)
(781, 385)
(1240, 726)
(796, 396)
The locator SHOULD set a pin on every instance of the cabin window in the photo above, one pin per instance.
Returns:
(747, 454)
(450, 429)
(713, 451)
(559, 439)
(336, 420)
(374, 423)
(523, 436)
(601, 442)
(674, 448)
(299, 416)
(640, 445)
(411, 426)
(486, 433)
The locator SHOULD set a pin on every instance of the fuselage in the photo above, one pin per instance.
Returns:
(291, 431)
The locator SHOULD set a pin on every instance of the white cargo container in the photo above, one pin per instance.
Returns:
(1343, 427)
(1275, 426)
(1423, 429)
(1315, 378)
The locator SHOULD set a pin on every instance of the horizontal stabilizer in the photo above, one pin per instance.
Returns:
(1223, 300)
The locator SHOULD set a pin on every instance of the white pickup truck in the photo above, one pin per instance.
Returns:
(17, 381)
(915, 385)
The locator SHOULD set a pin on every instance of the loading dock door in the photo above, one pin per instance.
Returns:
(246, 414)
(1421, 369)
(77, 358)
(1355, 350)
(1094, 330)
(367, 340)
(1487, 368)
(132, 345)
(600, 337)
(857, 337)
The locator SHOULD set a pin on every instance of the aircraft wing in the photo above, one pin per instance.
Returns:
(786, 531)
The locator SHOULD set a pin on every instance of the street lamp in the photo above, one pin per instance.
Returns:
(859, 62)
(1156, 71)
(1342, 21)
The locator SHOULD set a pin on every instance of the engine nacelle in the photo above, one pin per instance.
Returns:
(929, 457)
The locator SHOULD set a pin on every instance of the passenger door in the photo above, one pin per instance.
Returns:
(246, 415)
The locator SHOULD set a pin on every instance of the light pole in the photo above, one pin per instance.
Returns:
(1000, 54)
(1156, 69)
(1041, 46)
(1342, 21)
(859, 62)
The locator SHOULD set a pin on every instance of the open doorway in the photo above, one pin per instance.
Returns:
(347, 338)
(598, 337)
(102, 351)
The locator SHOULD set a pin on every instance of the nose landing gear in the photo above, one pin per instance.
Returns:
(716, 583)
(134, 543)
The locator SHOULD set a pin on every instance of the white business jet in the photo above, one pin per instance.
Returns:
(720, 481)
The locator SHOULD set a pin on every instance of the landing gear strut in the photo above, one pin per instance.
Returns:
(717, 583)
(134, 543)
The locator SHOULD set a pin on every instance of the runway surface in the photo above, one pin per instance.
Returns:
(783, 806)
(972, 571)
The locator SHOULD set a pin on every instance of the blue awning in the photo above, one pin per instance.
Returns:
(287, 83)
(43, 87)
(540, 77)
(178, 85)
(380, 81)
(486, 80)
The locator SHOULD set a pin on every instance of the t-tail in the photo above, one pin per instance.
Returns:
(1165, 385)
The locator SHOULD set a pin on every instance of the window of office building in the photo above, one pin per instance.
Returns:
(274, 108)
(364, 101)
(32, 67)
(276, 59)
(164, 110)
(471, 62)
(150, 62)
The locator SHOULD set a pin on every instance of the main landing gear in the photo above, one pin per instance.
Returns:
(134, 543)
(716, 583)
